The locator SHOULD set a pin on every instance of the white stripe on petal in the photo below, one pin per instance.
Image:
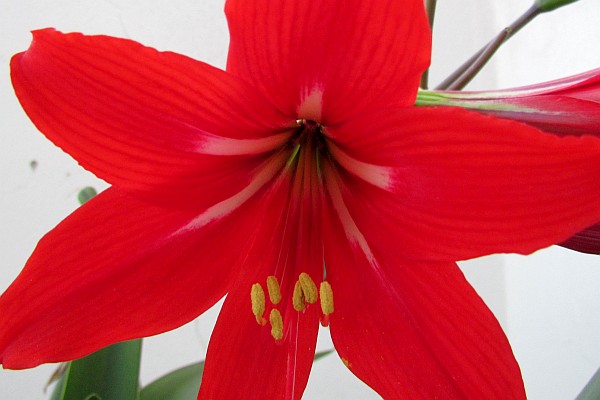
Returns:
(225, 207)
(353, 234)
(311, 104)
(223, 146)
(374, 174)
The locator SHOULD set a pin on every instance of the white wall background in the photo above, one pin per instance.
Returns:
(549, 302)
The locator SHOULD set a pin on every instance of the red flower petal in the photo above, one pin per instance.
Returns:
(586, 241)
(415, 330)
(461, 185)
(324, 60)
(244, 360)
(117, 269)
(581, 86)
(151, 122)
(558, 114)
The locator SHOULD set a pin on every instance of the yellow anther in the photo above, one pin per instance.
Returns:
(276, 324)
(346, 362)
(308, 288)
(326, 295)
(257, 296)
(273, 289)
(298, 298)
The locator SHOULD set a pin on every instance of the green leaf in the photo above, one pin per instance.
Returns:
(181, 384)
(108, 374)
(184, 383)
(591, 391)
(111, 373)
(323, 353)
(58, 377)
(549, 5)
(86, 194)
(58, 390)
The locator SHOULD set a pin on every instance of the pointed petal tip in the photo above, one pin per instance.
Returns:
(146, 121)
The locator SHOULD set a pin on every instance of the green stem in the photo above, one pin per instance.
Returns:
(482, 57)
(470, 68)
(430, 8)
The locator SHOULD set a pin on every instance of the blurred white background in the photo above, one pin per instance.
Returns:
(549, 303)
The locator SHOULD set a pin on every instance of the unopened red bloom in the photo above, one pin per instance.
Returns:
(304, 185)
(567, 106)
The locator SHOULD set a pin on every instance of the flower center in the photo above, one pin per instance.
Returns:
(300, 260)
(309, 133)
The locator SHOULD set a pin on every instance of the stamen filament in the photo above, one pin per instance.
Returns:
(292, 157)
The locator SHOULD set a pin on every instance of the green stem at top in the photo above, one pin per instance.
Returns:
(430, 9)
(470, 68)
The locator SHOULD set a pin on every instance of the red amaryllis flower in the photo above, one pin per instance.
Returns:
(304, 185)
(568, 106)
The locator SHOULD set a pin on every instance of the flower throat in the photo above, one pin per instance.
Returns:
(298, 290)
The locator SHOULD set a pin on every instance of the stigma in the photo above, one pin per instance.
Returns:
(304, 294)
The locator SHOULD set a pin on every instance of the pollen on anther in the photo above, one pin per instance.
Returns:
(346, 362)
(298, 297)
(309, 289)
(276, 324)
(326, 295)
(273, 289)
(257, 296)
